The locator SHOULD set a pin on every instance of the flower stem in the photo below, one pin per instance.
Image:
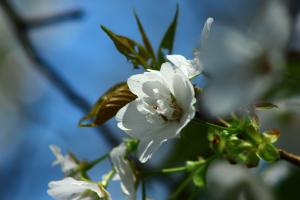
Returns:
(211, 125)
(91, 164)
(175, 169)
(108, 177)
(181, 187)
(144, 193)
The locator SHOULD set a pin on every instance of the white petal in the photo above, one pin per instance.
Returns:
(133, 122)
(69, 188)
(67, 163)
(151, 144)
(135, 83)
(57, 153)
(206, 30)
(146, 148)
(177, 60)
(167, 73)
(148, 88)
(183, 92)
(124, 171)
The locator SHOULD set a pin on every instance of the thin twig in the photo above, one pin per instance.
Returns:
(291, 158)
(21, 28)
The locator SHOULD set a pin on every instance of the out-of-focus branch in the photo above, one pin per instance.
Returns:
(21, 27)
(291, 158)
(53, 19)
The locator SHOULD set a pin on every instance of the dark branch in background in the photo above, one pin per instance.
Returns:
(53, 19)
(21, 29)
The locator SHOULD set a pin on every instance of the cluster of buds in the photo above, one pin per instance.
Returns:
(241, 141)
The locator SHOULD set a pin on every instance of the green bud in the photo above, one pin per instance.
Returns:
(217, 143)
(131, 144)
(252, 159)
(271, 136)
(253, 133)
(268, 152)
(199, 176)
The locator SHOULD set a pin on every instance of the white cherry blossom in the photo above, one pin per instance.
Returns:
(164, 105)
(72, 189)
(67, 163)
(124, 171)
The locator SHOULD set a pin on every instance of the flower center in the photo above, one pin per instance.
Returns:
(161, 108)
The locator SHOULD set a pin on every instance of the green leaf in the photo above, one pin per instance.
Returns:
(199, 176)
(168, 40)
(268, 152)
(265, 106)
(131, 49)
(108, 105)
(146, 41)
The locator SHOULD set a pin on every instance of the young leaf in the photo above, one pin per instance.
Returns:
(146, 41)
(108, 105)
(168, 39)
(131, 49)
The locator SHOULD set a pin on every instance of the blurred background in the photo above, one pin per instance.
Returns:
(37, 110)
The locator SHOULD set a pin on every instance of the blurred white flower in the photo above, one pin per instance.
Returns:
(275, 173)
(243, 63)
(164, 105)
(295, 42)
(235, 182)
(191, 68)
(124, 171)
(67, 162)
(71, 189)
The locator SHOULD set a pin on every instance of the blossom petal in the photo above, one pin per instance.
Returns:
(149, 87)
(133, 122)
(151, 144)
(135, 83)
(124, 171)
(69, 187)
(183, 92)
(206, 30)
(167, 72)
(177, 60)
(68, 164)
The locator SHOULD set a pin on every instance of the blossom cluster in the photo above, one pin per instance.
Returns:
(162, 101)
(165, 104)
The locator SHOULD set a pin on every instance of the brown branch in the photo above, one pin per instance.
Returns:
(289, 157)
(21, 28)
